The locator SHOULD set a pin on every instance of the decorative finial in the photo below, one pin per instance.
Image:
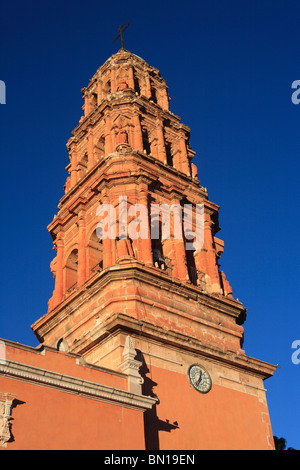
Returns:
(120, 35)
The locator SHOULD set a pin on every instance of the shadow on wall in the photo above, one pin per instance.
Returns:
(152, 424)
(10, 423)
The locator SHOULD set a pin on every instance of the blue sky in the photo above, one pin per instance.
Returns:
(229, 66)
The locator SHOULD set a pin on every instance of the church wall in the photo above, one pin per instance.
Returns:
(46, 419)
(223, 419)
(45, 416)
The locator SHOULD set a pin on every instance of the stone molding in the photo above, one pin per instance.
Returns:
(74, 385)
(6, 402)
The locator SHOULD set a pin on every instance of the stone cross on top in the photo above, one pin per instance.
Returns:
(120, 35)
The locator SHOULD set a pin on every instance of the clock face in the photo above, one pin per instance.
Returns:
(199, 378)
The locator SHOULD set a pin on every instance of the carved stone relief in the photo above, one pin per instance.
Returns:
(6, 402)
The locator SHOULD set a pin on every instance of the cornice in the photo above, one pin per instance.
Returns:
(152, 276)
(177, 180)
(122, 323)
(76, 386)
(123, 98)
(43, 349)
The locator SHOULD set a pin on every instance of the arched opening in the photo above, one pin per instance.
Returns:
(107, 87)
(146, 141)
(169, 154)
(191, 266)
(82, 165)
(153, 95)
(156, 230)
(159, 260)
(100, 147)
(95, 254)
(94, 101)
(70, 270)
(137, 86)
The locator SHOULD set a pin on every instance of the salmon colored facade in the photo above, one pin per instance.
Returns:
(59, 402)
(141, 347)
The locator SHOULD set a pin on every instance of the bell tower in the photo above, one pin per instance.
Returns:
(121, 269)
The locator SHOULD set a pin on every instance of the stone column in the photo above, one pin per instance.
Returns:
(184, 161)
(108, 242)
(206, 259)
(194, 171)
(108, 139)
(90, 146)
(176, 156)
(81, 250)
(164, 99)
(73, 169)
(99, 92)
(113, 80)
(86, 105)
(114, 253)
(161, 148)
(138, 137)
(59, 281)
(178, 244)
(130, 78)
(147, 85)
(180, 253)
(146, 246)
(107, 252)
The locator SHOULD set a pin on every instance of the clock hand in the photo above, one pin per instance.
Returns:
(199, 380)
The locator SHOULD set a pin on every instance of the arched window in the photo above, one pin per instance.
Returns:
(191, 267)
(94, 100)
(95, 254)
(169, 154)
(153, 94)
(100, 147)
(84, 160)
(82, 165)
(71, 268)
(146, 142)
(107, 87)
(159, 260)
(156, 230)
(137, 86)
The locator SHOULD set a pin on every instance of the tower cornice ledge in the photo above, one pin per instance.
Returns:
(229, 317)
(103, 172)
(120, 323)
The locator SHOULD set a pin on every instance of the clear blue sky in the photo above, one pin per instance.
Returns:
(229, 66)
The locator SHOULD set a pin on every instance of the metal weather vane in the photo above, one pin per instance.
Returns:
(120, 35)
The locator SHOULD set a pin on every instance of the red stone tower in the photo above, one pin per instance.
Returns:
(124, 302)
